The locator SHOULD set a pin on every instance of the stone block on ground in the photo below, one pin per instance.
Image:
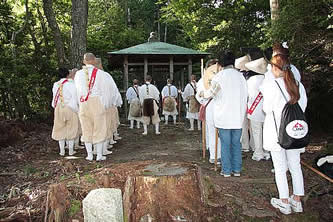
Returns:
(103, 205)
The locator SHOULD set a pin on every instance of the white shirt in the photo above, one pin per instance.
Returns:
(69, 94)
(131, 95)
(173, 91)
(105, 87)
(229, 91)
(294, 70)
(274, 102)
(253, 84)
(151, 93)
(189, 91)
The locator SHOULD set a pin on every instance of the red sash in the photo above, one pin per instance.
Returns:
(56, 98)
(202, 111)
(255, 103)
(91, 84)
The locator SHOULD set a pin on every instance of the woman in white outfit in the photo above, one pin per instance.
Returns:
(283, 160)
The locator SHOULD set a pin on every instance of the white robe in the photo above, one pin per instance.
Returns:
(173, 93)
(210, 127)
(189, 91)
(69, 94)
(131, 97)
(274, 102)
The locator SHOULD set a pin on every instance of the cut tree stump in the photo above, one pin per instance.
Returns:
(164, 192)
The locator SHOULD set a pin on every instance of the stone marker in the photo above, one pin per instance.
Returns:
(103, 205)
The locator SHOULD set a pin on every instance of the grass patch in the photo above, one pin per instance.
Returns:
(29, 170)
(89, 179)
(75, 207)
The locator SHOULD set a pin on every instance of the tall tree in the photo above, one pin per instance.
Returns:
(274, 5)
(79, 31)
(59, 43)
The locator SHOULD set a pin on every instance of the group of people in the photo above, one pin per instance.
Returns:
(85, 105)
(240, 106)
(144, 103)
(244, 102)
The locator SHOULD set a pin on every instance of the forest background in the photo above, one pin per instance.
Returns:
(38, 36)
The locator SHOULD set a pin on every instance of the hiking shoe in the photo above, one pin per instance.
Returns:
(267, 156)
(295, 205)
(246, 150)
(236, 174)
(256, 158)
(224, 175)
(283, 207)
(213, 161)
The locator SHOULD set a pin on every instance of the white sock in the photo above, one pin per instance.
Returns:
(100, 151)
(157, 128)
(166, 117)
(62, 147)
(145, 129)
(70, 147)
(132, 124)
(199, 125)
(192, 124)
(89, 151)
(138, 124)
(174, 119)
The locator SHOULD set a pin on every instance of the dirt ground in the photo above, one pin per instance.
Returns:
(30, 164)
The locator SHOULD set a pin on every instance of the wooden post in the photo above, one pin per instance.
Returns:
(202, 67)
(125, 80)
(204, 139)
(182, 79)
(189, 69)
(216, 142)
(171, 67)
(145, 70)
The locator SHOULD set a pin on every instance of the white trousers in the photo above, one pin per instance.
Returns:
(210, 140)
(246, 139)
(283, 161)
(256, 136)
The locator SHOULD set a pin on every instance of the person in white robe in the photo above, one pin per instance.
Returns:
(192, 104)
(246, 140)
(96, 90)
(169, 95)
(210, 127)
(149, 98)
(135, 112)
(229, 90)
(283, 160)
(255, 113)
(65, 104)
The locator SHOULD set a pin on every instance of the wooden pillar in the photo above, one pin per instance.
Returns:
(202, 67)
(171, 67)
(145, 69)
(125, 80)
(189, 69)
(182, 78)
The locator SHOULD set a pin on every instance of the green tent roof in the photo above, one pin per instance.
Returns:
(157, 48)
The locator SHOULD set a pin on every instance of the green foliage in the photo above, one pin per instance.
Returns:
(74, 208)
(29, 170)
(307, 26)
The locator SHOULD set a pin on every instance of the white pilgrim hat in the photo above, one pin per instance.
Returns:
(241, 61)
(258, 66)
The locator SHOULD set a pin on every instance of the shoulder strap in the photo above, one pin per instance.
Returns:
(169, 90)
(56, 98)
(137, 94)
(195, 90)
(91, 85)
(281, 91)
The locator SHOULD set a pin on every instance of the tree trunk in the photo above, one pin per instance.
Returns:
(59, 44)
(274, 4)
(79, 31)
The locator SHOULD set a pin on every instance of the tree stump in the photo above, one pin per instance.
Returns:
(165, 192)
